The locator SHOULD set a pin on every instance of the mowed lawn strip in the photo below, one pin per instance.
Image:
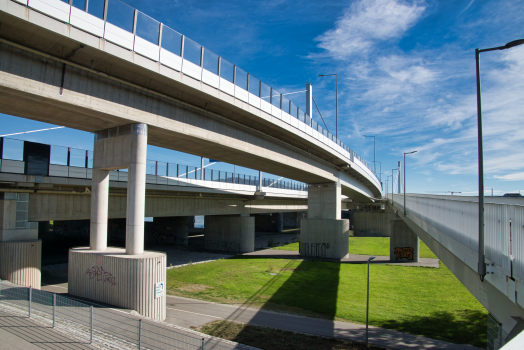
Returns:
(368, 246)
(274, 339)
(423, 301)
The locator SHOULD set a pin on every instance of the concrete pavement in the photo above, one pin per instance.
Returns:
(22, 333)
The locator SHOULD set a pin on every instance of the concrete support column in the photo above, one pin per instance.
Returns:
(230, 233)
(99, 208)
(324, 234)
(169, 230)
(404, 244)
(136, 201)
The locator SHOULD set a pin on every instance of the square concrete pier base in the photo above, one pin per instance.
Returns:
(404, 245)
(127, 281)
(230, 233)
(324, 238)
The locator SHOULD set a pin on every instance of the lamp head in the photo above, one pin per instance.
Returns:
(371, 258)
(514, 43)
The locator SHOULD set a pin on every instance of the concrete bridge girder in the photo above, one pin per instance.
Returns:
(198, 119)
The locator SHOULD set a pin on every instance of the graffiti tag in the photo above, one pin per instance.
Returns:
(404, 253)
(314, 250)
(97, 273)
(223, 245)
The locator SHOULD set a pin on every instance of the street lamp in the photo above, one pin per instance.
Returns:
(405, 180)
(367, 306)
(482, 259)
(336, 100)
(374, 154)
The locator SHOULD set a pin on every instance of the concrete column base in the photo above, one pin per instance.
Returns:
(230, 233)
(112, 277)
(404, 245)
(324, 238)
(20, 262)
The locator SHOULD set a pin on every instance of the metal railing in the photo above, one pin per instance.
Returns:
(87, 323)
(73, 162)
(127, 27)
(495, 334)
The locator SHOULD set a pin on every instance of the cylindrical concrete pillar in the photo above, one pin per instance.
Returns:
(20, 262)
(279, 222)
(99, 208)
(136, 192)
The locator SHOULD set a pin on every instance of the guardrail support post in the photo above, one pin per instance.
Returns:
(54, 310)
(203, 343)
(30, 297)
(139, 334)
(91, 335)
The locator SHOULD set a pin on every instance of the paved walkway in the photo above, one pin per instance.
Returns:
(19, 332)
(187, 313)
(351, 259)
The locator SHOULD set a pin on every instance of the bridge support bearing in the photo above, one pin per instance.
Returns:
(324, 238)
(230, 233)
(20, 248)
(116, 278)
(404, 244)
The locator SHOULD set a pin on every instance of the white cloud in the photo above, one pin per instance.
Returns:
(511, 177)
(368, 21)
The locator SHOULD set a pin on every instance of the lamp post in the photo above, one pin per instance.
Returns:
(482, 259)
(374, 154)
(336, 100)
(367, 306)
(405, 213)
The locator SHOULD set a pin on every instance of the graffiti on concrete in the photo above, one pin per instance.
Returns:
(314, 250)
(98, 274)
(222, 245)
(404, 253)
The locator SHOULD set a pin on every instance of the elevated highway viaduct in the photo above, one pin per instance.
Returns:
(66, 66)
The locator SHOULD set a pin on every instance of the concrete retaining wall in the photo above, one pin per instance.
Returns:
(20, 262)
(112, 277)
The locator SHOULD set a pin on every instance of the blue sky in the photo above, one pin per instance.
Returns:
(406, 74)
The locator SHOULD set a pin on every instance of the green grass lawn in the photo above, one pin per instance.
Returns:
(368, 246)
(422, 301)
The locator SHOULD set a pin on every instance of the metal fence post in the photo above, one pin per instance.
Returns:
(139, 334)
(203, 343)
(30, 297)
(91, 338)
(0, 286)
(54, 310)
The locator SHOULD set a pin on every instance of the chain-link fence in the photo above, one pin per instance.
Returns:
(496, 334)
(86, 322)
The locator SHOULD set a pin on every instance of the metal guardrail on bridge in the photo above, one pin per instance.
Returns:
(51, 160)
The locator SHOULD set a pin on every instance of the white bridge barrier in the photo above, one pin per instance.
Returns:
(457, 218)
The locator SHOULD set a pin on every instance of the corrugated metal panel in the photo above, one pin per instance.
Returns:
(497, 239)
(517, 236)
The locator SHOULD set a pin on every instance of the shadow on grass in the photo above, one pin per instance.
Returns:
(312, 284)
(464, 328)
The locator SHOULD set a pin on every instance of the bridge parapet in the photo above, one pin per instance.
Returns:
(449, 226)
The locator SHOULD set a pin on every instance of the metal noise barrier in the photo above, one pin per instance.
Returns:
(88, 323)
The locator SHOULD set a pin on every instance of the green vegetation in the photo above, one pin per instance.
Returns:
(368, 246)
(268, 338)
(422, 301)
